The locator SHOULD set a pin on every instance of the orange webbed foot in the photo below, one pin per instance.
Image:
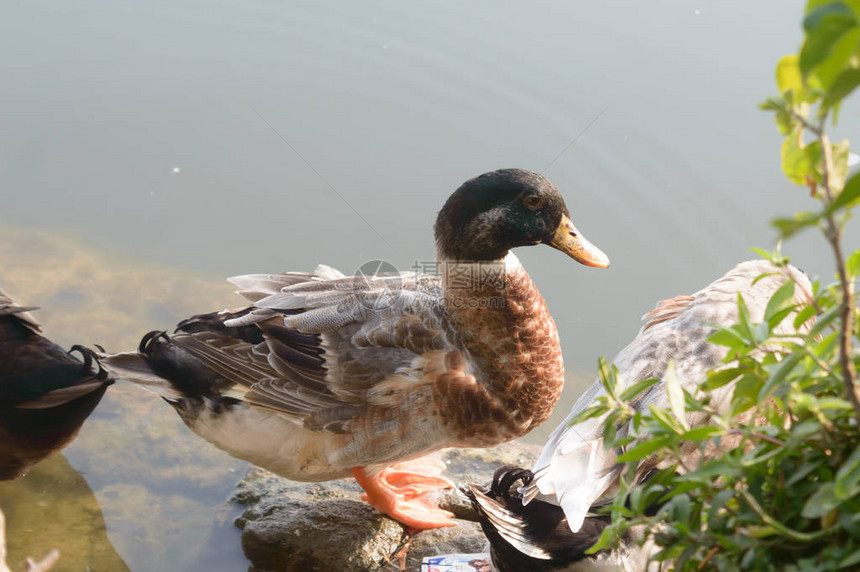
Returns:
(399, 492)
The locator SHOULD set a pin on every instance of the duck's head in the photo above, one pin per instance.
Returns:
(497, 211)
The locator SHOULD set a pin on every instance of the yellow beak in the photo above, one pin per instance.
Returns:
(568, 240)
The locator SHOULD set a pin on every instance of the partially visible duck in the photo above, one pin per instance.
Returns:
(45, 393)
(575, 475)
(326, 376)
(535, 537)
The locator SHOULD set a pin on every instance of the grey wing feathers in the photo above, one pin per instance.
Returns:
(324, 340)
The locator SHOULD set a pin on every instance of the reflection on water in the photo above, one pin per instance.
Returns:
(161, 489)
(144, 494)
(53, 507)
(158, 489)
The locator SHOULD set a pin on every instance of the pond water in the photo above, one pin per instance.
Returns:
(148, 149)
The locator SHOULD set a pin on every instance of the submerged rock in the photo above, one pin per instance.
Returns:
(325, 527)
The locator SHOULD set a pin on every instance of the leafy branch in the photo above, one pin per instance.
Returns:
(813, 84)
(771, 480)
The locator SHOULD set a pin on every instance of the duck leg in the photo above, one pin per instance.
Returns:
(399, 491)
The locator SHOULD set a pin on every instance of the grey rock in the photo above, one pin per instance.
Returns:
(325, 527)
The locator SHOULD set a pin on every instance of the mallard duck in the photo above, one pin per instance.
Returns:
(575, 475)
(45, 393)
(326, 376)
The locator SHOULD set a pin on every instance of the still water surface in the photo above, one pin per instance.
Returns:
(148, 149)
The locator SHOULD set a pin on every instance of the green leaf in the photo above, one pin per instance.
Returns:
(702, 433)
(718, 503)
(843, 85)
(850, 561)
(803, 315)
(815, 4)
(790, 226)
(744, 322)
(821, 502)
(778, 376)
(847, 483)
(852, 265)
(849, 195)
(610, 426)
(824, 27)
(588, 413)
(841, 55)
(745, 394)
(607, 536)
(727, 337)
(667, 421)
(775, 257)
(839, 154)
(681, 506)
(834, 403)
(851, 523)
(777, 318)
(606, 375)
(637, 388)
(785, 121)
(804, 430)
(715, 469)
(788, 76)
(720, 378)
(781, 300)
(676, 395)
(643, 449)
(802, 473)
(681, 488)
(823, 321)
(761, 332)
(761, 252)
(800, 162)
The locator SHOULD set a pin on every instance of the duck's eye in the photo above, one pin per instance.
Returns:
(533, 202)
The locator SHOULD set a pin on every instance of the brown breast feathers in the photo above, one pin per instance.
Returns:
(505, 330)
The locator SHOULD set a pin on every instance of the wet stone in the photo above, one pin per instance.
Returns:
(325, 527)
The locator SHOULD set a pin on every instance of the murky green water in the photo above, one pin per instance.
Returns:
(148, 149)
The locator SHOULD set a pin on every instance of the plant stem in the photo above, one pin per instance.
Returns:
(817, 131)
(757, 436)
(708, 557)
(795, 535)
(834, 235)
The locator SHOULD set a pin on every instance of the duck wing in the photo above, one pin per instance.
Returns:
(575, 470)
(313, 346)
